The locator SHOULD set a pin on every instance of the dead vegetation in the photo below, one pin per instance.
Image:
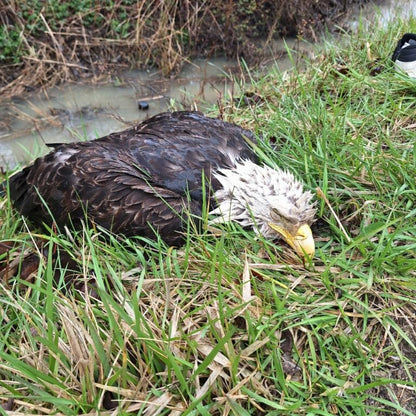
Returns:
(43, 43)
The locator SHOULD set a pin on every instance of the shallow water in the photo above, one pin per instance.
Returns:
(75, 111)
(78, 111)
(386, 12)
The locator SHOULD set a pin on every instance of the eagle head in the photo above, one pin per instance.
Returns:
(271, 201)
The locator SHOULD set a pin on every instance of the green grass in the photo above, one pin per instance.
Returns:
(230, 323)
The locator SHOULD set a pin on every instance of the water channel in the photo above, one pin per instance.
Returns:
(77, 111)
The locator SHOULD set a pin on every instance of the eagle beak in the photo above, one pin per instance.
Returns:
(302, 242)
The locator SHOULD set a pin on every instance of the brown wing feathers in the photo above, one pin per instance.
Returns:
(133, 181)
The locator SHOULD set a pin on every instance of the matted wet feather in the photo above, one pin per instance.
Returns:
(256, 196)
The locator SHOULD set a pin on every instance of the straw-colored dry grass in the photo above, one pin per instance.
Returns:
(42, 43)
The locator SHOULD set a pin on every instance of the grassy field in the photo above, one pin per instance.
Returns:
(230, 324)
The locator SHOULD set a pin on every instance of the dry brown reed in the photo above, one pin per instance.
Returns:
(98, 41)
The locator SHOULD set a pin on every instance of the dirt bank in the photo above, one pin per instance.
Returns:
(42, 43)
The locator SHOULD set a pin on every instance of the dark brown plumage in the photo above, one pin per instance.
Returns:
(148, 179)
(128, 180)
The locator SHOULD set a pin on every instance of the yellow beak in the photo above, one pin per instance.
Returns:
(302, 242)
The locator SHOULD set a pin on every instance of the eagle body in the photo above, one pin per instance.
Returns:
(148, 178)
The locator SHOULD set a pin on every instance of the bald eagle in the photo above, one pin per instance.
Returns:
(404, 56)
(148, 178)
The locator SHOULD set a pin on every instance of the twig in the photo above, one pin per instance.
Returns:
(50, 61)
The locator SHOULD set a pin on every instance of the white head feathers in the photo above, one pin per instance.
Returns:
(256, 196)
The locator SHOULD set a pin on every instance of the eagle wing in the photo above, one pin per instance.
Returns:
(134, 182)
